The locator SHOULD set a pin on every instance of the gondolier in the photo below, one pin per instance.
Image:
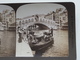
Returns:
(52, 31)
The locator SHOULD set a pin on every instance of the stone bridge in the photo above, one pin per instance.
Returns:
(26, 22)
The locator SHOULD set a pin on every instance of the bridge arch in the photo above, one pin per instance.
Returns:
(43, 21)
(39, 26)
(27, 25)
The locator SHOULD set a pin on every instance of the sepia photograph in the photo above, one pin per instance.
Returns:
(7, 31)
(42, 31)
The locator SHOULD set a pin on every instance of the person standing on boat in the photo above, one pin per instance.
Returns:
(51, 31)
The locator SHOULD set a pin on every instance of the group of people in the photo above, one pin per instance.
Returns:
(29, 37)
(22, 34)
(25, 35)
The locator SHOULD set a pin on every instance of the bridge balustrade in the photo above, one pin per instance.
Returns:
(31, 21)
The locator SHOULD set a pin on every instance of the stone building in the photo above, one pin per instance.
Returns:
(1, 25)
(63, 20)
(60, 16)
(50, 16)
(3, 20)
(0, 17)
(8, 19)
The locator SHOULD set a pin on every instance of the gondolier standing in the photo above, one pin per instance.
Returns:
(51, 31)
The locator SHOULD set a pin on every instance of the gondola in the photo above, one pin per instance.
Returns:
(42, 42)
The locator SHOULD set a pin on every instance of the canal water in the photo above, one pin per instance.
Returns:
(7, 43)
(60, 48)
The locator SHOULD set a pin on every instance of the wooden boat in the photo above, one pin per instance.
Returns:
(42, 43)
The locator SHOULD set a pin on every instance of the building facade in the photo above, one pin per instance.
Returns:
(60, 16)
(8, 19)
(63, 19)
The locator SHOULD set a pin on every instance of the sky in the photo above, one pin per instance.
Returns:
(32, 9)
(5, 7)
